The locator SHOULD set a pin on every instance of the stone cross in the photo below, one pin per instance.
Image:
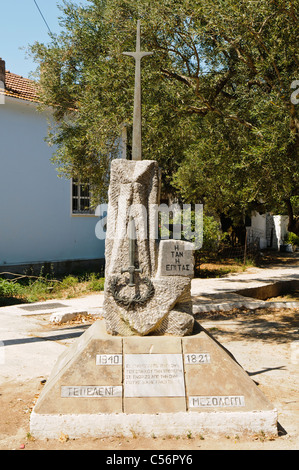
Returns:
(136, 145)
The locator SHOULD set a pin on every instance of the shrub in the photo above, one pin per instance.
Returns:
(68, 281)
(292, 238)
(211, 234)
(8, 288)
(96, 283)
(36, 290)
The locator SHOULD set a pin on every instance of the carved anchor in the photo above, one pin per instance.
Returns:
(137, 299)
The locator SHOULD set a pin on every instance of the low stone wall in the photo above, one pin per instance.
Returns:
(56, 267)
(270, 290)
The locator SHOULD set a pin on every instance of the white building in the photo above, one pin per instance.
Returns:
(43, 219)
(270, 230)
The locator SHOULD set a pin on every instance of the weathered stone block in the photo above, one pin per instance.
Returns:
(159, 301)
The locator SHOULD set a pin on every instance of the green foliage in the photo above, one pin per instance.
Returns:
(36, 290)
(30, 291)
(68, 281)
(25, 288)
(292, 238)
(96, 283)
(217, 114)
(211, 234)
(9, 289)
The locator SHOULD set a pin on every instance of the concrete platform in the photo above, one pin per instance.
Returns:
(158, 425)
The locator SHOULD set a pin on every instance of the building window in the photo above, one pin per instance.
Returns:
(81, 198)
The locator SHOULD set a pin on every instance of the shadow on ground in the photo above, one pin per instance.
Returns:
(279, 325)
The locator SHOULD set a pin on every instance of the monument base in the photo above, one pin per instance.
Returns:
(77, 426)
(122, 386)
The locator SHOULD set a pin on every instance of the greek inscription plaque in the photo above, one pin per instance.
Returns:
(175, 258)
(216, 401)
(91, 391)
(154, 375)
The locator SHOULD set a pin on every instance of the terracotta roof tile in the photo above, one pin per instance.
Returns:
(20, 87)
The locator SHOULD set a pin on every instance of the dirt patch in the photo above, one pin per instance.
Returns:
(268, 324)
(273, 259)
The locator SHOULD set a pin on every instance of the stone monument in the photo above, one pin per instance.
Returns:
(149, 301)
(143, 292)
(148, 368)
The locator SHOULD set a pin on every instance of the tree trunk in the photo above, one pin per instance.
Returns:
(293, 223)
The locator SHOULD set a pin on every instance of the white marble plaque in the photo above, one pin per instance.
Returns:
(91, 391)
(109, 360)
(154, 375)
(216, 401)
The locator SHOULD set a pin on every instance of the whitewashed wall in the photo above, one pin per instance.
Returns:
(36, 224)
(261, 224)
(258, 225)
(281, 227)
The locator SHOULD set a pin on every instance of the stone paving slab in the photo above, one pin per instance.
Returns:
(255, 277)
(89, 304)
(26, 349)
(223, 294)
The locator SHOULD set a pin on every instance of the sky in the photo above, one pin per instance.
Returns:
(22, 25)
